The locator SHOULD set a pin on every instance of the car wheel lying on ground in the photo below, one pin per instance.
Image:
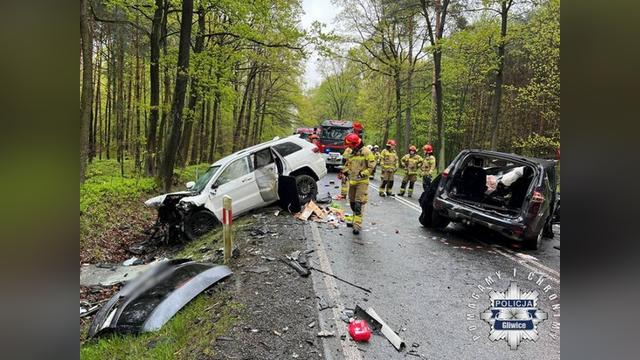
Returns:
(252, 177)
(511, 194)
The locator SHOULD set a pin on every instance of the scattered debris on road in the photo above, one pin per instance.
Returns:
(325, 333)
(344, 281)
(386, 330)
(359, 330)
(132, 261)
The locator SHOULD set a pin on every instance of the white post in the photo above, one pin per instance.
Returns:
(227, 227)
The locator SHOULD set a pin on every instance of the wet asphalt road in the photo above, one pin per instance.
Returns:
(426, 283)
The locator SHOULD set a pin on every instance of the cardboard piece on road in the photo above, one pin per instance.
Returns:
(311, 209)
(304, 215)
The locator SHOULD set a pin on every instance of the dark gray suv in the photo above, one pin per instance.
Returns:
(508, 193)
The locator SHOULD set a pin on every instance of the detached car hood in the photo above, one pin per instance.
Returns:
(150, 300)
(158, 200)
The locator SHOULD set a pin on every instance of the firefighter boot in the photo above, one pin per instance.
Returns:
(357, 218)
(382, 187)
(402, 188)
(390, 188)
(353, 216)
(410, 192)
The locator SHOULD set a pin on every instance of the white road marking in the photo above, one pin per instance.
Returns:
(349, 350)
(522, 259)
(401, 200)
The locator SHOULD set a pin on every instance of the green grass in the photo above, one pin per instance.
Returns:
(187, 335)
(212, 240)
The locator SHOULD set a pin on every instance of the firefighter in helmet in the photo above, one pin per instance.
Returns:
(376, 154)
(389, 162)
(342, 175)
(358, 169)
(411, 164)
(428, 166)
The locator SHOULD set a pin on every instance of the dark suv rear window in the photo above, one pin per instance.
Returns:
(286, 148)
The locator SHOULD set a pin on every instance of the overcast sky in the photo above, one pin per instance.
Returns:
(325, 12)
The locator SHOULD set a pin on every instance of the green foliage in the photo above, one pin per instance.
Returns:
(531, 91)
(537, 145)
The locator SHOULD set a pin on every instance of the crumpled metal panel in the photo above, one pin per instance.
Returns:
(149, 301)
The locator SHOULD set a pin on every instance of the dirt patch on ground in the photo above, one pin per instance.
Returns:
(106, 235)
(280, 309)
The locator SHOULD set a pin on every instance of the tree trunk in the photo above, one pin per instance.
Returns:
(87, 86)
(196, 149)
(437, 99)
(237, 132)
(407, 123)
(138, 165)
(182, 78)
(497, 97)
(194, 94)
(97, 110)
(120, 106)
(154, 78)
(214, 125)
(400, 141)
(249, 111)
(256, 124)
(166, 92)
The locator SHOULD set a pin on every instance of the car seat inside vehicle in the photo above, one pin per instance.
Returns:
(493, 183)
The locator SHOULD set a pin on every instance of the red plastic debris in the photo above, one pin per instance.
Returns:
(359, 330)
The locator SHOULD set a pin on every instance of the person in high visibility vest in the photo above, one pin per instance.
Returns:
(428, 166)
(344, 179)
(411, 163)
(389, 162)
(376, 154)
(359, 167)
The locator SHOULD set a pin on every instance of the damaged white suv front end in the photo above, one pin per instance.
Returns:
(250, 177)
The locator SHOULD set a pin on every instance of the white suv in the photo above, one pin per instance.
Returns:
(249, 177)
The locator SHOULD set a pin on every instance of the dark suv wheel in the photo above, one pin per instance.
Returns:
(428, 217)
(199, 223)
(307, 188)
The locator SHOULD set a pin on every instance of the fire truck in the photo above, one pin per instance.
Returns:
(332, 134)
(304, 132)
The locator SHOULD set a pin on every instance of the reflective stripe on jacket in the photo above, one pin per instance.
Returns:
(359, 161)
(411, 164)
(389, 160)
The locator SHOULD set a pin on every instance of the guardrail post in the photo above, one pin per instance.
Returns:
(227, 227)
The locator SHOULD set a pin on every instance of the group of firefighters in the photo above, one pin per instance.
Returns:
(360, 165)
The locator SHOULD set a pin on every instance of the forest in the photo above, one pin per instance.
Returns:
(167, 83)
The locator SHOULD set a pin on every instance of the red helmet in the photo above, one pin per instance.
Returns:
(428, 149)
(352, 140)
(391, 142)
(412, 148)
(357, 127)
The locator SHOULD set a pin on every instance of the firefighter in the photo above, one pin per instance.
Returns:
(376, 154)
(389, 160)
(411, 164)
(315, 140)
(359, 167)
(428, 166)
(342, 175)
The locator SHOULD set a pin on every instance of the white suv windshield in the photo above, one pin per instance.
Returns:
(204, 179)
